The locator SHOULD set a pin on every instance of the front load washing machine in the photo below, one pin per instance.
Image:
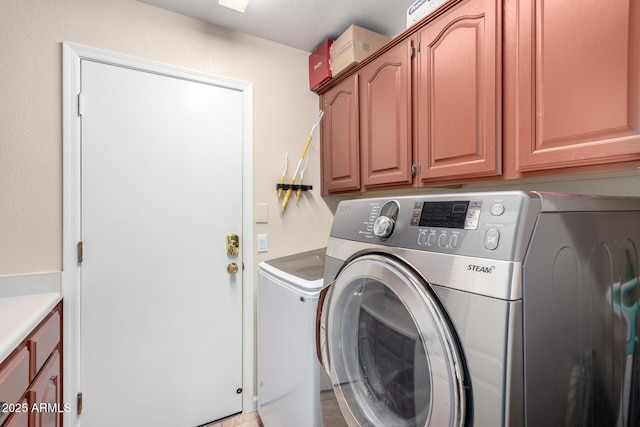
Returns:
(484, 309)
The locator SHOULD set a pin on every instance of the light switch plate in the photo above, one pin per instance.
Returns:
(262, 243)
(261, 213)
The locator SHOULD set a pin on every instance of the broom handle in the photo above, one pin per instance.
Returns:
(295, 174)
(304, 153)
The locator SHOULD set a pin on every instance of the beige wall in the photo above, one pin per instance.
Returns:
(284, 108)
(31, 114)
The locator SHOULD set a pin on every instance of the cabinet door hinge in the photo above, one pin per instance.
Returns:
(80, 252)
(81, 101)
(79, 402)
(414, 50)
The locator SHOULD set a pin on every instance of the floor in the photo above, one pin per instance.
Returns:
(250, 419)
(331, 416)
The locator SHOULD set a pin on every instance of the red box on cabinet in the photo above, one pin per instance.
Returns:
(319, 70)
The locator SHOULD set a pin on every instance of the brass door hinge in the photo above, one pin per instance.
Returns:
(79, 402)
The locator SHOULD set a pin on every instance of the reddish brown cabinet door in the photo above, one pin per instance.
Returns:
(45, 394)
(385, 118)
(458, 83)
(18, 418)
(578, 82)
(340, 138)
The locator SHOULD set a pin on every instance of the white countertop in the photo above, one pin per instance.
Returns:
(20, 314)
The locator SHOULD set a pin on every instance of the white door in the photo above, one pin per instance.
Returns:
(161, 186)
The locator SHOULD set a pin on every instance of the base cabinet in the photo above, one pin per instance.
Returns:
(19, 419)
(31, 380)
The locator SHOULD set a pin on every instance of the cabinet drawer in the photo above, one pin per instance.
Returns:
(42, 343)
(14, 379)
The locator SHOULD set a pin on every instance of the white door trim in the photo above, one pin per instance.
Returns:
(73, 54)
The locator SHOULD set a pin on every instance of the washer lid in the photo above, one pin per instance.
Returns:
(305, 265)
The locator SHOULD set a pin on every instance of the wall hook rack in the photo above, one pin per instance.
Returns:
(294, 187)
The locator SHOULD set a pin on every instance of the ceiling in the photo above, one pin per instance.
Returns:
(302, 24)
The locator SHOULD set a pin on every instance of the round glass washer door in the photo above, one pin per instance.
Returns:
(394, 360)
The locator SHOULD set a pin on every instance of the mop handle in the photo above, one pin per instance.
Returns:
(304, 153)
(305, 161)
(293, 179)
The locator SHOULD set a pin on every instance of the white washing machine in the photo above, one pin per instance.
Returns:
(288, 369)
(483, 309)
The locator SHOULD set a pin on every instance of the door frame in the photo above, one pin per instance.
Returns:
(72, 55)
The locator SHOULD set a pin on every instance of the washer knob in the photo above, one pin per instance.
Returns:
(383, 227)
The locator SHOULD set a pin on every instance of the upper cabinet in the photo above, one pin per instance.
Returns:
(385, 118)
(458, 99)
(340, 138)
(576, 82)
(485, 88)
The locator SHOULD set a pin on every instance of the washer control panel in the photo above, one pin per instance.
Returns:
(386, 221)
(463, 214)
(478, 224)
(439, 222)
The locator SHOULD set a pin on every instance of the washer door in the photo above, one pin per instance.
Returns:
(394, 360)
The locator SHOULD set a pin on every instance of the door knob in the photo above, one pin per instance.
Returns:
(232, 268)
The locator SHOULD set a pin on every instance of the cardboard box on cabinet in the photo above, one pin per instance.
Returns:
(319, 70)
(421, 8)
(353, 46)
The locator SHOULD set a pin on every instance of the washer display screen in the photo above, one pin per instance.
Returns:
(444, 214)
